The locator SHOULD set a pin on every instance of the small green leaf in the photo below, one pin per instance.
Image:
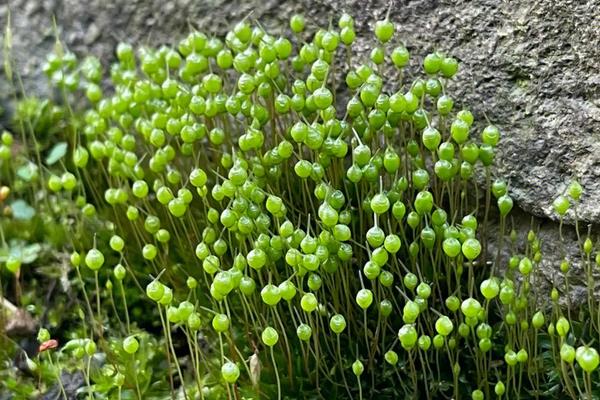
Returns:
(30, 253)
(21, 210)
(73, 344)
(27, 172)
(58, 151)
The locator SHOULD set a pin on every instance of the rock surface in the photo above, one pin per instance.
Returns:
(529, 67)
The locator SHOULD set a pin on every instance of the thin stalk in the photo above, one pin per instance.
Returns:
(276, 373)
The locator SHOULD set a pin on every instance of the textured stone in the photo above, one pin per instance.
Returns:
(529, 67)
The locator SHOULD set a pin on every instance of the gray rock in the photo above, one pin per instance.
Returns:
(72, 383)
(529, 67)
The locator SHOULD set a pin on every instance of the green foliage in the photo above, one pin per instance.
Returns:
(242, 225)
